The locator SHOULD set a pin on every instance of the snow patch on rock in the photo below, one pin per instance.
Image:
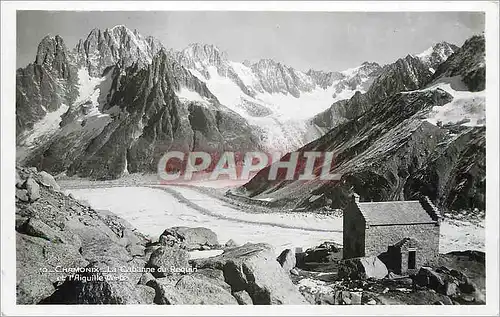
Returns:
(184, 94)
(467, 108)
(90, 94)
(44, 128)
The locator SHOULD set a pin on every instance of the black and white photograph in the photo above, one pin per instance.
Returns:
(196, 155)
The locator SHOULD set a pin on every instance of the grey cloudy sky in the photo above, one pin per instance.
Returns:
(319, 40)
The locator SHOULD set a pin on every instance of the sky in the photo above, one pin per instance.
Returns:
(329, 41)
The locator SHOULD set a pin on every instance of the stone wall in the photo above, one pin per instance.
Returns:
(379, 238)
(354, 233)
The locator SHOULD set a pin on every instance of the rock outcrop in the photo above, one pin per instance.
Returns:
(468, 62)
(45, 85)
(166, 259)
(437, 54)
(116, 46)
(253, 268)
(287, 260)
(60, 242)
(438, 285)
(197, 289)
(68, 253)
(362, 268)
(190, 238)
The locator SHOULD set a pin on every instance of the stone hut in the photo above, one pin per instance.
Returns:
(403, 234)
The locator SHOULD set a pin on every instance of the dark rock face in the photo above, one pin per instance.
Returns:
(381, 155)
(384, 126)
(406, 74)
(451, 283)
(468, 62)
(44, 85)
(385, 150)
(438, 53)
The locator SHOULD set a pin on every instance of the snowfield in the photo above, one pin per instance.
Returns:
(152, 210)
(283, 118)
(185, 94)
(467, 108)
(459, 235)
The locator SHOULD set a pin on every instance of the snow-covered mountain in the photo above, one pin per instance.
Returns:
(416, 134)
(436, 54)
(118, 100)
(116, 46)
(405, 74)
(274, 98)
(115, 104)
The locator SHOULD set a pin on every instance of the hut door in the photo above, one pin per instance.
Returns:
(411, 259)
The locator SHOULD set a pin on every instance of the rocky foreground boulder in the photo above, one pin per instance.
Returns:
(62, 244)
(362, 268)
(203, 287)
(190, 238)
(69, 253)
(287, 259)
(458, 278)
(253, 268)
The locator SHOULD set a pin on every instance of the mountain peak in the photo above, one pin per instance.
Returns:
(467, 62)
(122, 29)
(119, 27)
(50, 48)
(51, 40)
(202, 47)
(446, 44)
(205, 53)
(367, 63)
(267, 62)
(437, 54)
(118, 45)
(197, 45)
